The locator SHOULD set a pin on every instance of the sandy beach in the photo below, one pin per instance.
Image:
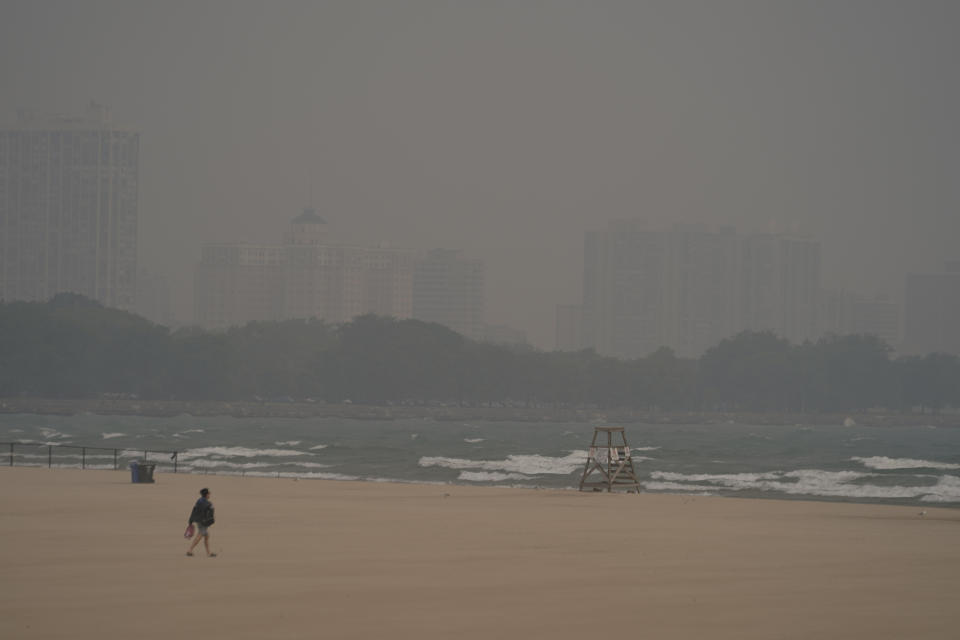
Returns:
(88, 554)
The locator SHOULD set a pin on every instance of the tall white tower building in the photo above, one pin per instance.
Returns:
(68, 208)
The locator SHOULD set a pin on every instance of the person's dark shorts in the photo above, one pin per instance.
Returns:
(202, 530)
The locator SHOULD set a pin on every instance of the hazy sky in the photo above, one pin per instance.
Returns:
(509, 128)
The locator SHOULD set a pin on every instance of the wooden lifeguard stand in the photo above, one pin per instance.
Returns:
(611, 460)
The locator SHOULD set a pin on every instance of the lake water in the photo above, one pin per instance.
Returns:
(898, 465)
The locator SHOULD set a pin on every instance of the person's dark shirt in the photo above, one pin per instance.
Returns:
(202, 511)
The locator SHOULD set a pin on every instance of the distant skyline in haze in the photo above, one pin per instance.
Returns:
(509, 129)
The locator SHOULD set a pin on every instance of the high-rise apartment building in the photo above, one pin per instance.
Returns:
(388, 281)
(305, 277)
(238, 283)
(688, 288)
(780, 285)
(932, 312)
(320, 279)
(701, 289)
(878, 317)
(844, 313)
(623, 290)
(834, 315)
(68, 208)
(448, 289)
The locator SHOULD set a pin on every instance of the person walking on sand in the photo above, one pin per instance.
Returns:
(202, 514)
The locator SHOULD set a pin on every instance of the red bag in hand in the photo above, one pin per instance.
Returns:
(189, 532)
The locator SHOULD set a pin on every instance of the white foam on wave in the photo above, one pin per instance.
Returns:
(490, 476)
(44, 443)
(108, 436)
(525, 464)
(14, 430)
(885, 463)
(725, 479)
(806, 482)
(238, 452)
(183, 434)
(223, 464)
(676, 487)
(947, 489)
(473, 440)
(319, 446)
(310, 475)
(287, 443)
(48, 433)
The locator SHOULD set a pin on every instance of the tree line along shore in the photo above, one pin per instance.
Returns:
(72, 352)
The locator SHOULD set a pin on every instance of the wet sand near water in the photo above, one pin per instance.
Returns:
(88, 554)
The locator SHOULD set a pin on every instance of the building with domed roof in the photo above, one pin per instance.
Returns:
(306, 276)
(308, 228)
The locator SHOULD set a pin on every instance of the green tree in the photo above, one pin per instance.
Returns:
(201, 366)
(929, 382)
(754, 370)
(379, 359)
(849, 373)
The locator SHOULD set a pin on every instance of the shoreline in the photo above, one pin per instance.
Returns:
(294, 410)
(164, 470)
(283, 476)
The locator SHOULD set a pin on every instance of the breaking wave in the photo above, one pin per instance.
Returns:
(885, 463)
(490, 476)
(807, 482)
(528, 465)
(239, 452)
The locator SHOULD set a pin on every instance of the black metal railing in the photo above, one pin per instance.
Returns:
(69, 455)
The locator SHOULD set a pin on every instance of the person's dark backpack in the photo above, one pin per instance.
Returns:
(207, 515)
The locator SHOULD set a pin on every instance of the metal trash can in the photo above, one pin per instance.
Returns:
(141, 471)
(145, 471)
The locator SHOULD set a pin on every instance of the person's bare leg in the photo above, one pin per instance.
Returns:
(206, 543)
(193, 544)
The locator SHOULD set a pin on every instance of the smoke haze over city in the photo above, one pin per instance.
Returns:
(509, 129)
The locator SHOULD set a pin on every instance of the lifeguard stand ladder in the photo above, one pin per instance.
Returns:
(612, 461)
